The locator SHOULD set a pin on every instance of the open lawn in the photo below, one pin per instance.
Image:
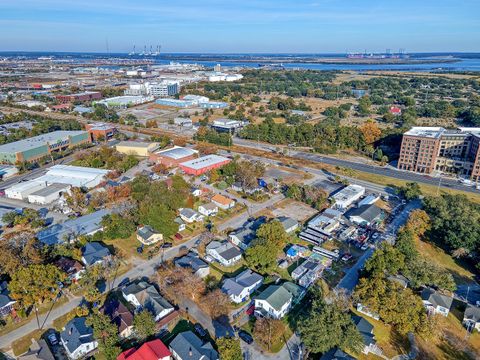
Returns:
(22, 345)
(437, 255)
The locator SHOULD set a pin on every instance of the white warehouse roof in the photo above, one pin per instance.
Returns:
(177, 152)
(73, 175)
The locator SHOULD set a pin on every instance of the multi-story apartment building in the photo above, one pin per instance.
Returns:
(435, 149)
(161, 89)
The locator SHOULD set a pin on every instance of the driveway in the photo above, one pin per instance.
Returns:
(291, 351)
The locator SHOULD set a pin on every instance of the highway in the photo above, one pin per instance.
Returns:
(372, 169)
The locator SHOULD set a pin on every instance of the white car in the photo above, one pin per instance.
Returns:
(364, 247)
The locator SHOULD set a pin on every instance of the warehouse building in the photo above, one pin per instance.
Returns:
(79, 97)
(175, 103)
(70, 230)
(214, 105)
(203, 164)
(174, 156)
(37, 147)
(227, 125)
(347, 196)
(21, 190)
(77, 176)
(137, 148)
(48, 194)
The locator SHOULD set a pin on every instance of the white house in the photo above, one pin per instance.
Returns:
(77, 338)
(189, 215)
(471, 317)
(223, 202)
(224, 252)
(242, 286)
(436, 302)
(274, 302)
(145, 297)
(147, 236)
(209, 209)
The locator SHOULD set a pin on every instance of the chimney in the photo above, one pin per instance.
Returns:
(190, 353)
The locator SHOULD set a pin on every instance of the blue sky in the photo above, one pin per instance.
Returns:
(319, 26)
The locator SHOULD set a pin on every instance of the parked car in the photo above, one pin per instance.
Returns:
(52, 339)
(364, 247)
(245, 337)
(346, 257)
(166, 245)
(200, 330)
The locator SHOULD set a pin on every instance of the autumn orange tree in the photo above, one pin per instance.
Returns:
(371, 132)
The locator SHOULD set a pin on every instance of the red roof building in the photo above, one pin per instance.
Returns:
(152, 350)
(203, 164)
(100, 131)
(395, 110)
(80, 97)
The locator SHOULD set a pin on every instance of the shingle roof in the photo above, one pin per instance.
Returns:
(145, 232)
(119, 314)
(366, 212)
(276, 295)
(93, 252)
(365, 329)
(472, 313)
(336, 354)
(225, 249)
(76, 333)
(235, 286)
(148, 297)
(189, 346)
(191, 261)
(436, 298)
(151, 350)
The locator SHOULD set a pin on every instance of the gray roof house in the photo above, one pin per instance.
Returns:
(77, 338)
(243, 236)
(224, 252)
(242, 286)
(336, 354)
(471, 317)
(6, 303)
(192, 261)
(289, 224)
(145, 296)
(187, 345)
(436, 302)
(94, 253)
(366, 331)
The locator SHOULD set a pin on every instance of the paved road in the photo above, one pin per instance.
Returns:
(379, 170)
(291, 351)
(350, 280)
(142, 268)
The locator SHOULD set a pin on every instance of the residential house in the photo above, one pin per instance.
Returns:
(120, 316)
(471, 317)
(365, 215)
(146, 297)
(196, 191)
(6, 303)
(77, 338)
(366, 331)
(188, 346)
(209, 209)
(151, 350)
(180, 223)
(289, 224)
(39, 350)
(147, 236)
(243, 236)
(95, 253)
(436, 302)
(274, 302)
(308, 272)
(224, 252)
(189, 215)
(336, 354)
(223, 202)
(242, 286)
(73, 268)
(193, 262)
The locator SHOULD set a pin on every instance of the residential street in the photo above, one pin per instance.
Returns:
(142, 268)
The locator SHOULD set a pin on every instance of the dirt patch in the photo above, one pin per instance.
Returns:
(294, 209)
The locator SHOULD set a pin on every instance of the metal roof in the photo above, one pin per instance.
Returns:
(204, 161)
(51, 189)
(40, 140)
(177, 152)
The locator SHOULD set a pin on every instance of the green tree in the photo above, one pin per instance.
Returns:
(326, 326)
(105, 332)
(229, 348)
(35, 285)
(144, 325)
(409, 191)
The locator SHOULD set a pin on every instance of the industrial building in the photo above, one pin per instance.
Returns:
(136, 148)
(227, 125)
(43, 187)
(321, 227)
(434, 149)
(203, 164)
(79, 97)
(7, 171)
(175, 103)
(214, 105)
(37, 147)
(48, 194)
(174, 156)
(100, 131)
(70, 230)
(347, 196)
(161, 89)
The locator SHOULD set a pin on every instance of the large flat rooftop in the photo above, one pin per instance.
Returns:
(40, 140)
(177, 152)
(428, 132)
(204, 161)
